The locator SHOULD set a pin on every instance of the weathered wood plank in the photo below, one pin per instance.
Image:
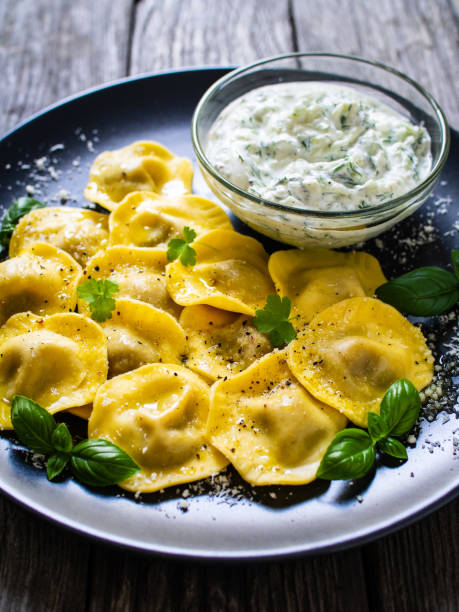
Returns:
(42, 567)
(330, 582)
(173, 33)
(49, 50)
(417, 568)
(115, 580)
(126, 582)
(418, 37)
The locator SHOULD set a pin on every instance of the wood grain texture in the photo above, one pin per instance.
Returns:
(418, 567)
(49, 50)
(172, 33)
(418, 37)
(126, 581)
(42, 567)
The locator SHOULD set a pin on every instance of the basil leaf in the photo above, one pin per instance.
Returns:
(393, 447)
(455, 258)
(422, 292)
(350, 455)
(56, 463)
(377, 426)
(21, 207)
(33, 424)
(61, 438)
(400, 407)
(99, 463)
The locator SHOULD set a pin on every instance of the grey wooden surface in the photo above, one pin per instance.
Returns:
(52, 48)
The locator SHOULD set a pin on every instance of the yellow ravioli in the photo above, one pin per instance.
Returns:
(141, 166)
(354, 350)
(140, 273)
(58, 361)
(316, 279)
(84, 412)
(158, 415)
(221, 343)
(230, 273)
(42, 279)
(138, 334)
(81, 233)
(146, 219)
(271, 429)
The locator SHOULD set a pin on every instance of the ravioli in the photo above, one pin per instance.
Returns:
(81, 233)
(146, 219)
(140, 273)
(271, 429)
(58, 361)
(138, 334)
(84, 412)
(354, 350)
(221, 343)
(230, 273)
(158, 415)
(41, 279)
(316, 279)
(141, 166)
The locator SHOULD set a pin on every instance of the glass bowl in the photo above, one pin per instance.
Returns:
(314, 228)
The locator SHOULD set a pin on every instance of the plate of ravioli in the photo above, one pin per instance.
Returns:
(128, 311)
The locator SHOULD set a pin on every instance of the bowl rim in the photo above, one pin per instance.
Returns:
(359, 213)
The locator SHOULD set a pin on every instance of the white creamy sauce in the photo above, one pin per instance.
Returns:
(318, 146)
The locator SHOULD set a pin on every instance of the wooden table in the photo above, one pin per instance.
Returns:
(52, 48)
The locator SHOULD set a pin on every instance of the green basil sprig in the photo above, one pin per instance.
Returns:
(21, 207)
(423, 292)
(455, 258)
(352, 451)
(97, 463)
(350, 455)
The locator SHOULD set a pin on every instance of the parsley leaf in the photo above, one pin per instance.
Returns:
(178, 248)
(274, 320)
(99, 295)
(189, 234)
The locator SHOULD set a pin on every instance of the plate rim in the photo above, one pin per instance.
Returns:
(174, 553)
(104, 86)
(171, 552)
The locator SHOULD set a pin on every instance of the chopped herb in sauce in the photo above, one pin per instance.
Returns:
(304, 136)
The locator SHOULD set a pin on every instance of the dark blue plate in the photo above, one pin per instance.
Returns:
(239, 521)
